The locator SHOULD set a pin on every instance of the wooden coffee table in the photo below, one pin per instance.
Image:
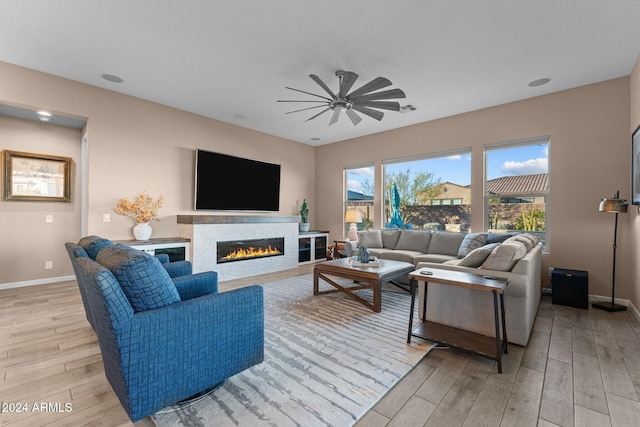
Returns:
(363, 277)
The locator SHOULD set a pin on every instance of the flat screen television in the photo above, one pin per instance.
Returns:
(225, 182)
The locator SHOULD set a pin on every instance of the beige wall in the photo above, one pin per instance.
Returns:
(133, 146)
(634, 211)
(28, 241)
(589, 130)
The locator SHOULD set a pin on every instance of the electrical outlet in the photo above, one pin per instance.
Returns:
(48, 265)
(106, 217)
(48, 219)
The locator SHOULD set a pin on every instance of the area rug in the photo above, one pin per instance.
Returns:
(328, 359)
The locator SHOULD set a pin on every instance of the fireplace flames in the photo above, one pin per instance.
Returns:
(251, 252)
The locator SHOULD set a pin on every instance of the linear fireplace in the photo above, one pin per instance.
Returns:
(240, 250)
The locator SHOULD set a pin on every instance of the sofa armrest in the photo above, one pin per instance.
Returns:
(196, 285)
(178, 268)
(163, 258)
(349, 248)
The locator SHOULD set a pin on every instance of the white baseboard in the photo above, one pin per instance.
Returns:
(36, 282)
(633, 309)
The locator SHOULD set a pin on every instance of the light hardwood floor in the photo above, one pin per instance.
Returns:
(581, 367)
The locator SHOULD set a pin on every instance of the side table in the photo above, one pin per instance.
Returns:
(490, 347)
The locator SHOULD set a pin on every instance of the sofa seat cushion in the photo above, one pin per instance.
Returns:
(144, 281)
(93, 245)
(376, 252)
(370, 238)
(445, 243)
(505, 256)
(476, 257)
(470, 242)
(439, 258)
(414, 240)
(400, 255)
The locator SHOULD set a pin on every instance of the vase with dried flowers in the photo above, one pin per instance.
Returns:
(143, 210)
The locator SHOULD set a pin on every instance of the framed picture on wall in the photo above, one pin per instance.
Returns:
(30, 177)
(635, 166)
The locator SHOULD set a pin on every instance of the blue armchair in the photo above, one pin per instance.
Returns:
(164, 340)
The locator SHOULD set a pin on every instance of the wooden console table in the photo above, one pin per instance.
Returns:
(489, 347)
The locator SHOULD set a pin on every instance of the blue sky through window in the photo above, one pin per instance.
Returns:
(518, 160)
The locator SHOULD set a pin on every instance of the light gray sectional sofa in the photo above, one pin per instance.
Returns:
(516, 257)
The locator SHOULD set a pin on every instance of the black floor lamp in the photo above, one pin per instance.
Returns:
(614, 205)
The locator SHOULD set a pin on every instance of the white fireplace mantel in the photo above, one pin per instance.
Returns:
(205, 231)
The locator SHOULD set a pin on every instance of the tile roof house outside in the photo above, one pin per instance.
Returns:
(519, 184)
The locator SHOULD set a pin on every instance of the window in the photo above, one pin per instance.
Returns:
(359, 191)
(517, 187)
(435, 191)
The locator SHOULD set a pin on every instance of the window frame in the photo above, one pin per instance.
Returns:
(546, 139)
(427, 156)
(345, 189)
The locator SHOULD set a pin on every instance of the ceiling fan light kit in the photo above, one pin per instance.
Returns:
(364, 100)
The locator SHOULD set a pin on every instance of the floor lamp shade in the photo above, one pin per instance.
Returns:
(353, 217)
(613, 205)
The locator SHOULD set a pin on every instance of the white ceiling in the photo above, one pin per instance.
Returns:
(227, 59)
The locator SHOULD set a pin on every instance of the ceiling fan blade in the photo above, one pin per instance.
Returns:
(323, 85)
(335, 117)
(375, 84)
(348, 79)
(296, 100)
(369, 112)
(308, 93)
(385, 94)
(385, 105)
(305, 109)
(355, 118)
(321, 112)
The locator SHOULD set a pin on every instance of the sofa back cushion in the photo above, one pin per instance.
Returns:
(529, 240)
(144, 281)
(93, 245)
(390, 238)
(505, 256)
(370, 238)
(446, 243)
(470, 242)
(476, 257)
(414, 240)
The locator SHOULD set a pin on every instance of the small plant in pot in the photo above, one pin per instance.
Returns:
(304, 216)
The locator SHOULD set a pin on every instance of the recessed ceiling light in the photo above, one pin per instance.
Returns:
(111, 78)
(240, 116)
(44, 118)
(539, 82)
(315, 139)
(44, 113)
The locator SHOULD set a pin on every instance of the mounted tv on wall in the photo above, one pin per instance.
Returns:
(231, 183)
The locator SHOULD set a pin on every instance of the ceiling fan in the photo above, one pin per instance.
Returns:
(364, 100)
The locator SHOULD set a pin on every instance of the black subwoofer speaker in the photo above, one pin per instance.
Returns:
(570, 287)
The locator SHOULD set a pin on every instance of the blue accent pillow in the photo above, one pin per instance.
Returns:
(144, 281)
(93, 245)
